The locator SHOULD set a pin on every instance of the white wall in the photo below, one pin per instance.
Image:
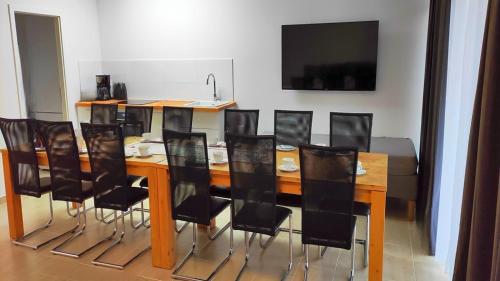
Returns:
(80, 32)
(250, 33)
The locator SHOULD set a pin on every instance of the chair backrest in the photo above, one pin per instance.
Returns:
(252, 167)
(179, 119)
(328, 179)
(292, 127)
(241, 122)
(19, 138)
(189, 175)
(138, 120)
(107, 161)
(103, 113)
(351, 129)
(62, 151)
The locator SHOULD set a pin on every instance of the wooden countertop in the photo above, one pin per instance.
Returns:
(158, 105)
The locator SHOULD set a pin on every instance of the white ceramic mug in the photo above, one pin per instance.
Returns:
(147, 136)
(218, 156)
(360, 166)
(143, 149)
(288, 162)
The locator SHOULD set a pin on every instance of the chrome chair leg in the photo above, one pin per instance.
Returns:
(20, 241)
(353, 245)
(322, 252)
(116, 242)
(143, 219)
(290, 248)
(266, 244)
(57, 250)
(69, 212)
(306, 265)
(219, 232)
(247, 255)
(175, 273)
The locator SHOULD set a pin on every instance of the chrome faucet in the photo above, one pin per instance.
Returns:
(216, 98)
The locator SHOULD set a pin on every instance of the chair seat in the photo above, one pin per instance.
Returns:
(131, 179)
(67, 193)
(220, 191)
(253, 219)
(144, 182)
(290, 200)
(121, 198)
(45, 185)
(328, 240)
(86, 176)
(361, 209)
(188, 210)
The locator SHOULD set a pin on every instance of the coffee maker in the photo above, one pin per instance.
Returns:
(103, 87)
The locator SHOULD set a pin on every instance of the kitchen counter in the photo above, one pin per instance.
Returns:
(158, 105)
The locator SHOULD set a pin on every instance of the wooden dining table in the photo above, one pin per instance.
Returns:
(371, 188)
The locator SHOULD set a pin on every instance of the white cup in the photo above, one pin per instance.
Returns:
(360, 166)
(288, 162)
(218, 156)
(143, 149)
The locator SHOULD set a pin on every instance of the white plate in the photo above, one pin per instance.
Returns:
(285, 147)
(143, 155)
(360, 172)
(213, 162)
(284, 168)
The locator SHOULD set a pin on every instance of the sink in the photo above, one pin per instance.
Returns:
(207, 103)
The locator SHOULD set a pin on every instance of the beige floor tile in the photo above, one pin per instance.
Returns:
(405, 252)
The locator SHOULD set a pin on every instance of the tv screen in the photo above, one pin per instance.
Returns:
(330, 56)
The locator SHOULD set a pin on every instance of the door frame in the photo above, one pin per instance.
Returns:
(21, 96)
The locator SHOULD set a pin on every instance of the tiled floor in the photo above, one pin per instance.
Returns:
(404, 257)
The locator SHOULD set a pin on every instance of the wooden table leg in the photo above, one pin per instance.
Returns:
(14, 205)
(162, 225)
(377, 228)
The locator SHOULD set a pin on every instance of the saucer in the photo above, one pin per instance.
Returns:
(285, 147)
(285, 168)
(143, 155)
(213, 162)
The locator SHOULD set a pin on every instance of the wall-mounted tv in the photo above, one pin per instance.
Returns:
(330, 56)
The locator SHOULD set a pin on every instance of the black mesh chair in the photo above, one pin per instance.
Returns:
(67, 181)
(19, 137)
(351, 129)
(103, 113)
(328, 179)
(237, 122)
(354, 129)
(179, 119)
(252, 167)
(109, 176)
(241, 122)
(292, 127)
(137, 120)
(189, 183)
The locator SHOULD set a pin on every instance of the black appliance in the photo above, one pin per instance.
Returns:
(119, 91)
(103, 87)
(330, 56)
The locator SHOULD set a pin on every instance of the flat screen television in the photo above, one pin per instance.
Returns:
(330, 56)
